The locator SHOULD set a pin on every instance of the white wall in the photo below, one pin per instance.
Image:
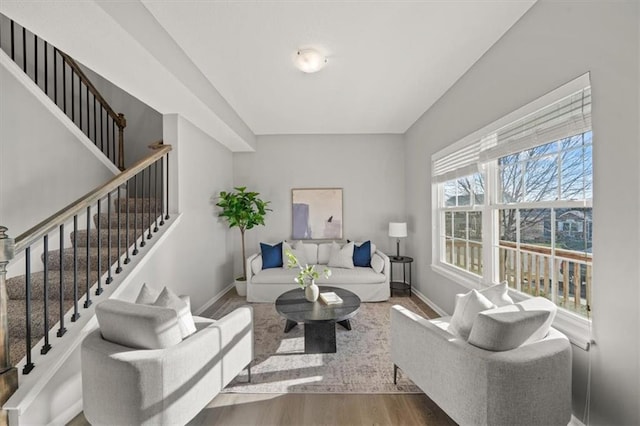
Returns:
(552, 44)
(195, 258)
(44, 163)
(369, 168)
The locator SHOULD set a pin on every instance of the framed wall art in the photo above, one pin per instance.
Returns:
(316, 213)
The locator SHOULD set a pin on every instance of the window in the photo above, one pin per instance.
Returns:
(515, 203)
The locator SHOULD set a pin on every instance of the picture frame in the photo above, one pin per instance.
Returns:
(316, 214)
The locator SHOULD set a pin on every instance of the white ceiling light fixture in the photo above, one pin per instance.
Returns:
(309, 60)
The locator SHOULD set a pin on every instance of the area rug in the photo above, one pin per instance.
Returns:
(362, 363)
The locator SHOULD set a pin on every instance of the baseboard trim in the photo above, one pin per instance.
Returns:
(214, 299)
(430, 303)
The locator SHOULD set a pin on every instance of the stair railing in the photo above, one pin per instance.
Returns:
(66, 84)
(143, 188)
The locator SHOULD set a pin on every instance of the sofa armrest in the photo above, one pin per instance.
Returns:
(386, 270)
(250, 259)
(236, 331)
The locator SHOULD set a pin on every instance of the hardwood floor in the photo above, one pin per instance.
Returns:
(317, 409)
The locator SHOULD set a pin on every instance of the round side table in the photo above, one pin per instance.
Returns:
(405, 284)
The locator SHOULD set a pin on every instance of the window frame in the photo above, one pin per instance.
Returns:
(577, 327)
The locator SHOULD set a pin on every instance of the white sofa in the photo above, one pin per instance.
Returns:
(529, 384)
(265, 285)
(168, 384)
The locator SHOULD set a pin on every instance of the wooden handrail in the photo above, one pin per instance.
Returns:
(74, 65)
(27, 238)
(567, 254)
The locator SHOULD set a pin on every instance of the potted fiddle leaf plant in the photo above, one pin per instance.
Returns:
(244, 210)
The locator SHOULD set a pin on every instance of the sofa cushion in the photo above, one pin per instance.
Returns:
(298, 250)
(168, 299)
(498, 294)
(467, 307)
(310, 251)
(324, 251)
(362, 254)
(341, 257)
(510, 326)
(357, 275)
(138, 326)
(147, 295)
(377, 263)
(271, 255)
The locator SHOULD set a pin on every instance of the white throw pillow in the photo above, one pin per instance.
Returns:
(256, 264)
(341, 257)
(298, 251)
(377, 263)
(511, 326)
(324, 251)
(168, 299)
(147, 295)
(498, 294)
(467, 308)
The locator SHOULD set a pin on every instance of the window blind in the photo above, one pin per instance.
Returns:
(568, 116)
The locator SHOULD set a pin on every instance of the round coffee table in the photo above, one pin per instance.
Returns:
(319, 318)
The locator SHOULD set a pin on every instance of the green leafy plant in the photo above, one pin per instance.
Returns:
(244, 210)
(307, 272)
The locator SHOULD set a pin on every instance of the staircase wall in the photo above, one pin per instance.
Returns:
(46, 161)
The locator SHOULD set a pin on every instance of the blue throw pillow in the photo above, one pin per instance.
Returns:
(362, 254)
(271, 255)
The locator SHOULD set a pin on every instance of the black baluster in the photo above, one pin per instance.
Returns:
(109, 277)
(13, 41)
(142, 242)
(155, 198)
(149, 200)
(73, 97)
(86, 90)
(24, 50)
(27, 258)
(119, 268)
(64, 85)
(162, 191)
(99, 231)
(35, 60)
(87, 301)
(167, 187)
(108, 143)
(61, 330)
(46, 67)
(126, 235)
(80, 101)
(135, 215)
(113, 140)
(101, 130)
(95, 122)
(45, 295)
(55, 76)
(76, 314)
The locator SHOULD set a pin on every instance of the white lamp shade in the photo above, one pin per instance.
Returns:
(397, 229)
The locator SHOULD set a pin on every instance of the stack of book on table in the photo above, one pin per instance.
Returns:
(330, 298)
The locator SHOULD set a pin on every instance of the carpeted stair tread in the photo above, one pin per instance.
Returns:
(18, 324)
(138, 220)
(16, 285)
(54, 258)
(138, 205)
(104, 237)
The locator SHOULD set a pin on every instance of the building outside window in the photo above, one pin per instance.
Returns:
(515, 204)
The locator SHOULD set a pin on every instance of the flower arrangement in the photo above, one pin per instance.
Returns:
(307, 272)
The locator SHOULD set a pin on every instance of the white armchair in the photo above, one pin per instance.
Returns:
(164, 380)
(529, 384)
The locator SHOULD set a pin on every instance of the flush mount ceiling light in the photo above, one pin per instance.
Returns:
(309, 60)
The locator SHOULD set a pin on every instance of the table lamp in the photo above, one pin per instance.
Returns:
(397, 230)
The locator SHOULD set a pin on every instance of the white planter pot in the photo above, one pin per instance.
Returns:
(241, 288)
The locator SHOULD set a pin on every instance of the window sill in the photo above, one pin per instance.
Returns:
(576, 328)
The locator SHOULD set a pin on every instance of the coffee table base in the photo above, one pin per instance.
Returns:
(319, 337)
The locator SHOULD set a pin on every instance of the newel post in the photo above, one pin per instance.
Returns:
(122, 123)
(8, 373)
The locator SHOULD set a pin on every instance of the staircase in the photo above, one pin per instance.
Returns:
(98, 253)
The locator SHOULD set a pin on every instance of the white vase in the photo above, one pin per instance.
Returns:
(311, 292)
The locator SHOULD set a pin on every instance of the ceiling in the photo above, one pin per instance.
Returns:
(388, 61)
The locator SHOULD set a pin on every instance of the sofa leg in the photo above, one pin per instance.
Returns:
(395, 374)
